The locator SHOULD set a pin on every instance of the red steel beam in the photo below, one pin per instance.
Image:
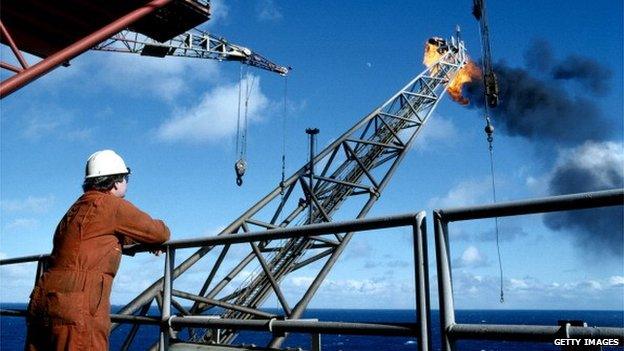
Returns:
(17, 81)
(10, 67)
(18, 54)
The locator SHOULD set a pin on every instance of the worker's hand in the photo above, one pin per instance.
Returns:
(156, 252)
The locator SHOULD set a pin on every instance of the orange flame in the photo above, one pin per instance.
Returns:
(434, 49)
(465, 75)
(431, 54)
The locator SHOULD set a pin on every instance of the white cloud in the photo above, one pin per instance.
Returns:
(215, 117)
(531, 285)
(599, 159)
(510, 232)
(130, 284)
(268, 11)
(471, 255)
(352, 287)
(17, 280)
(44, 125)
(439, 131)
(617, 281)
(246, 275)
(535, 286)
(517, 284)
(166, 78)
(302, 281)
(595, 156)
(139, 76)
(537, 184)
(29, 204)
(470, 258)
(358, 249)
(592, 285)
(135, 275)
(476, 291)
(465, 193)
(40, 126)
(365, 286)
(83, 134)
(353, 292)
(49, 120)
(218, 11)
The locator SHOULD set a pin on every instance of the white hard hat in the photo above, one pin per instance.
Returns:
(103, 163)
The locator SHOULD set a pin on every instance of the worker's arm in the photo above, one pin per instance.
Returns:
(137, 226)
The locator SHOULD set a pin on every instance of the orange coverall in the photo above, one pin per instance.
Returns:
(70, 304)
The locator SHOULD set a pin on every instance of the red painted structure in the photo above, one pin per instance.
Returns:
(58, 31)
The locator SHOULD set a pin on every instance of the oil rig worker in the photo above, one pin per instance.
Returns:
(70, 305)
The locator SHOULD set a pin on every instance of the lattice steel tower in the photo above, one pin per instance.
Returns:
(354, 170)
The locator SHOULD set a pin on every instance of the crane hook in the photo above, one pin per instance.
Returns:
(240, 167)
(489, 130)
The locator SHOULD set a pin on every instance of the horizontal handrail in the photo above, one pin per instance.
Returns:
(275, 325)
(271, 234)
(286, 326)
(578, 201)
(357, 225)
(24, 259)
(531, 332)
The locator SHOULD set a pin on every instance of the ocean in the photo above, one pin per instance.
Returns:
(12, 329)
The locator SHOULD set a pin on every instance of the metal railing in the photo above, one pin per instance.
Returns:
(168, 321)
(451, 331)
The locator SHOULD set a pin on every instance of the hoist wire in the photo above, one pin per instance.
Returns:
(284, 135)
(500, 263)
(240, 83)
(491, 151)
(248, 90)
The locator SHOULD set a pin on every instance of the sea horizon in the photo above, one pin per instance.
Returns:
(116, 306)
(12, 329)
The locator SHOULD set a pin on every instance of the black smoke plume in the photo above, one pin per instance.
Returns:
(587, 71)
(541, 62)
(539, 104)
(593, 166)
(540, 109)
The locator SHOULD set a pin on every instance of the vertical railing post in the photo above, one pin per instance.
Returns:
(421, 270)
(316, 342)
(445, 281)
(166, 306)
(42, 264)
(312, 132)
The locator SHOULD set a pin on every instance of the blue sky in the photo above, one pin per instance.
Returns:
(174, 121)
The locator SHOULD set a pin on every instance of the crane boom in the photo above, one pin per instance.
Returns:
(194, 44)
(355, 169)
(489, 78)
